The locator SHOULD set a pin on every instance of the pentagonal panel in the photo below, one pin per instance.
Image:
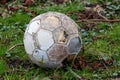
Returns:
(45, 39)
(40, 56)
(57, 53)
(74, 45)
(60, 35)
(29, 43)
(50, 23)
(34, 27)
(69, 25)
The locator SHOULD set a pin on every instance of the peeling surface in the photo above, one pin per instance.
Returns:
(29, 43)
(57, 53)
(60, 35)
(50, 23)
(34, 27)
(45, 39)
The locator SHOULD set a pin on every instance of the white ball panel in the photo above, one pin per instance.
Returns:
(40, 55)
(34, 26)
(45, 39)
(29, 43)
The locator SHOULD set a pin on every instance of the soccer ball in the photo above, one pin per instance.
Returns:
(50, 38)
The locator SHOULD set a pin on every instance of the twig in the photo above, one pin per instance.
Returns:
(20, 44)
(102, 16)
(75, 74)
(98, 20)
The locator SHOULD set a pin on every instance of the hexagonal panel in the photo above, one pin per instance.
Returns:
(34, 27)
(29, 43)
(60, 35)
(69, 25)
(51, 64)
(45, 39)
(40, 56)
(74, 45)
(57, 53)
(50, 23)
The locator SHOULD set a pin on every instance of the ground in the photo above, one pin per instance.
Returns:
(99, 55)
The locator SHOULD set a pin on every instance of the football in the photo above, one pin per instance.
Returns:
(50, 38)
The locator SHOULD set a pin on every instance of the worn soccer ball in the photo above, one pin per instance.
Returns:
(50, 38)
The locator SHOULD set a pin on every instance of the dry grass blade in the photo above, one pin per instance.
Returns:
(14, 46)
(75, 74)
(98, 20)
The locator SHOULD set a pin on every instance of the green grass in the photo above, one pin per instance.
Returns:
(101, 43)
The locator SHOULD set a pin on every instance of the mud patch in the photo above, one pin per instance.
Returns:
(92, 65)
(16, 62)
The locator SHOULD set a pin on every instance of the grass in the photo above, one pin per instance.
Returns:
(101, 44)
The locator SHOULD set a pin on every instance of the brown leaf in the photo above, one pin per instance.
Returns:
(98, 8)
(15, 8)
(8, 7)
(82, 62)
(4, 14)
(20, 6)
(3, 1)
(29, 2)
(26, 9)
(66, 0)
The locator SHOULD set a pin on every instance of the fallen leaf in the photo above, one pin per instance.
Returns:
(26, 9)
(29, 2)
(3, 1)
(82, 62)
(4, 14)
(98, 8)
(66, 0)
(20, 6)
(8, 7)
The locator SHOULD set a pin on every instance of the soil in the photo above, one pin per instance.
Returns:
(17, 62)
